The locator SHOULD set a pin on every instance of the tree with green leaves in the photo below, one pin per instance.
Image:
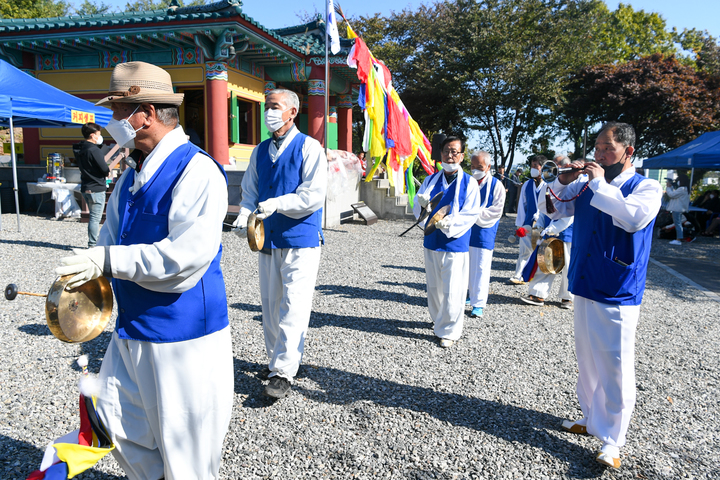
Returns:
(33, 8)
(149, 5)
(89, 8)
(628, 34)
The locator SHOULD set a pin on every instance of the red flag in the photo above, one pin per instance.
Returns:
(362, 57)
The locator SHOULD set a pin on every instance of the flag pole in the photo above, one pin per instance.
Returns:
(327, 74)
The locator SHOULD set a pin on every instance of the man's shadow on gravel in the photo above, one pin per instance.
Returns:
(371, 294)
(508, 422)
(417, 286)
(384, 326)
(32, 243)
(29, 458)
(402, 267)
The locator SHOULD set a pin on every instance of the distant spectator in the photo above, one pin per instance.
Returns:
(93, 172)
(711, 203)
(678, 202)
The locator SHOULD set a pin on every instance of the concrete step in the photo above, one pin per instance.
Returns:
(376, 195)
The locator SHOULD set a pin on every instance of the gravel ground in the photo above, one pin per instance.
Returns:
(377, 398)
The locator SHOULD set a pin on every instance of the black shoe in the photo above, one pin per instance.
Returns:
(277, 388)
(264, 374)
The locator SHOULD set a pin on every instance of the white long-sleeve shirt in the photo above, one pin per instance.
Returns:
(199, 204)
(521, 219)
(631, 213)
(460, 221)
(308, 197)
(490, 214)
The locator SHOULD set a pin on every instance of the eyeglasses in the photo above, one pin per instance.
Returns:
(452, 153)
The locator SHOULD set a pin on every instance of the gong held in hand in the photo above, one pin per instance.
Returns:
(77, 315)
(255, 233)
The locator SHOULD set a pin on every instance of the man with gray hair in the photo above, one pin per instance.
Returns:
(540, 285)
(286, 182)
(615, 210)
(166, 381)
(483, 232)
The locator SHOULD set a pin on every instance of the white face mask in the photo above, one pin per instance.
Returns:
(478, 174)
(451, 167)
(273, 119)
(122, 132)
(534, 172)
(100, 140)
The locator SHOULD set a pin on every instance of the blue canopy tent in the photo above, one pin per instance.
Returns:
(703, 152)
(28, 102)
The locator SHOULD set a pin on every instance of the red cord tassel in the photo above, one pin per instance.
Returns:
(549, 207)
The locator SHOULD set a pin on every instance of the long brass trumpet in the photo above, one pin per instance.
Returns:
(550, 171)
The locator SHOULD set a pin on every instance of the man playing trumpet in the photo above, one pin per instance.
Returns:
(613, 230)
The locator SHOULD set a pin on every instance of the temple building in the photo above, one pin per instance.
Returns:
(221, 59)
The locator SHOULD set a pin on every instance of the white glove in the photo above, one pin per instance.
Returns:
(240, 225)
(423, 199)
(267, 208)
(444, 223)
(549, 230)
(87, 264)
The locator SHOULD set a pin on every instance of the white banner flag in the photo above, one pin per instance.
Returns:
(332, 29)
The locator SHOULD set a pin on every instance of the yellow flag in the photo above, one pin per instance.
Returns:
(80, 457)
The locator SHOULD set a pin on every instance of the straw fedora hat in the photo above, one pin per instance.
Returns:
(140, 82)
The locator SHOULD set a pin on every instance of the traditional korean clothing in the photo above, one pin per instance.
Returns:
(482, 238)
(541, 283)
(608, 266)
(294, 173)
(446, 251)
(527, 214)
(167, 377)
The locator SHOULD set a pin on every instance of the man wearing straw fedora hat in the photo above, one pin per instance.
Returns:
(166, 381)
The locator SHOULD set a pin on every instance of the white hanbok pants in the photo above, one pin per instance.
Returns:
(287, 285)
(605, 349)
(446, 275)
(541, 283)
(167, 406)
(524, 251)
(480, 264)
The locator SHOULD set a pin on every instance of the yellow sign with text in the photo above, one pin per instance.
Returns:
(82, 117)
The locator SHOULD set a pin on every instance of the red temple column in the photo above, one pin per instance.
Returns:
(216, 95)
(316, 109)
(344, 119)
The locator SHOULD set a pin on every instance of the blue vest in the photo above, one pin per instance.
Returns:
(280, 178)
(531, 206)
(567, 234)
(437, 240)
(608, 264)
(485, 237)
(160, 317)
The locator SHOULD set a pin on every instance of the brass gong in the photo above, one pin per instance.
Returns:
(256, 233)
(439, 215)
(80, 314)
(550, 256)
(534, 237)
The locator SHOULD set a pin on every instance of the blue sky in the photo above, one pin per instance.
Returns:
(700, 14)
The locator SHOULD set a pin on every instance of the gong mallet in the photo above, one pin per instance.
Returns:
(426, 212)
(11, 291)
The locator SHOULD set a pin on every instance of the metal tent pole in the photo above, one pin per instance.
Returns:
(14, 170)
